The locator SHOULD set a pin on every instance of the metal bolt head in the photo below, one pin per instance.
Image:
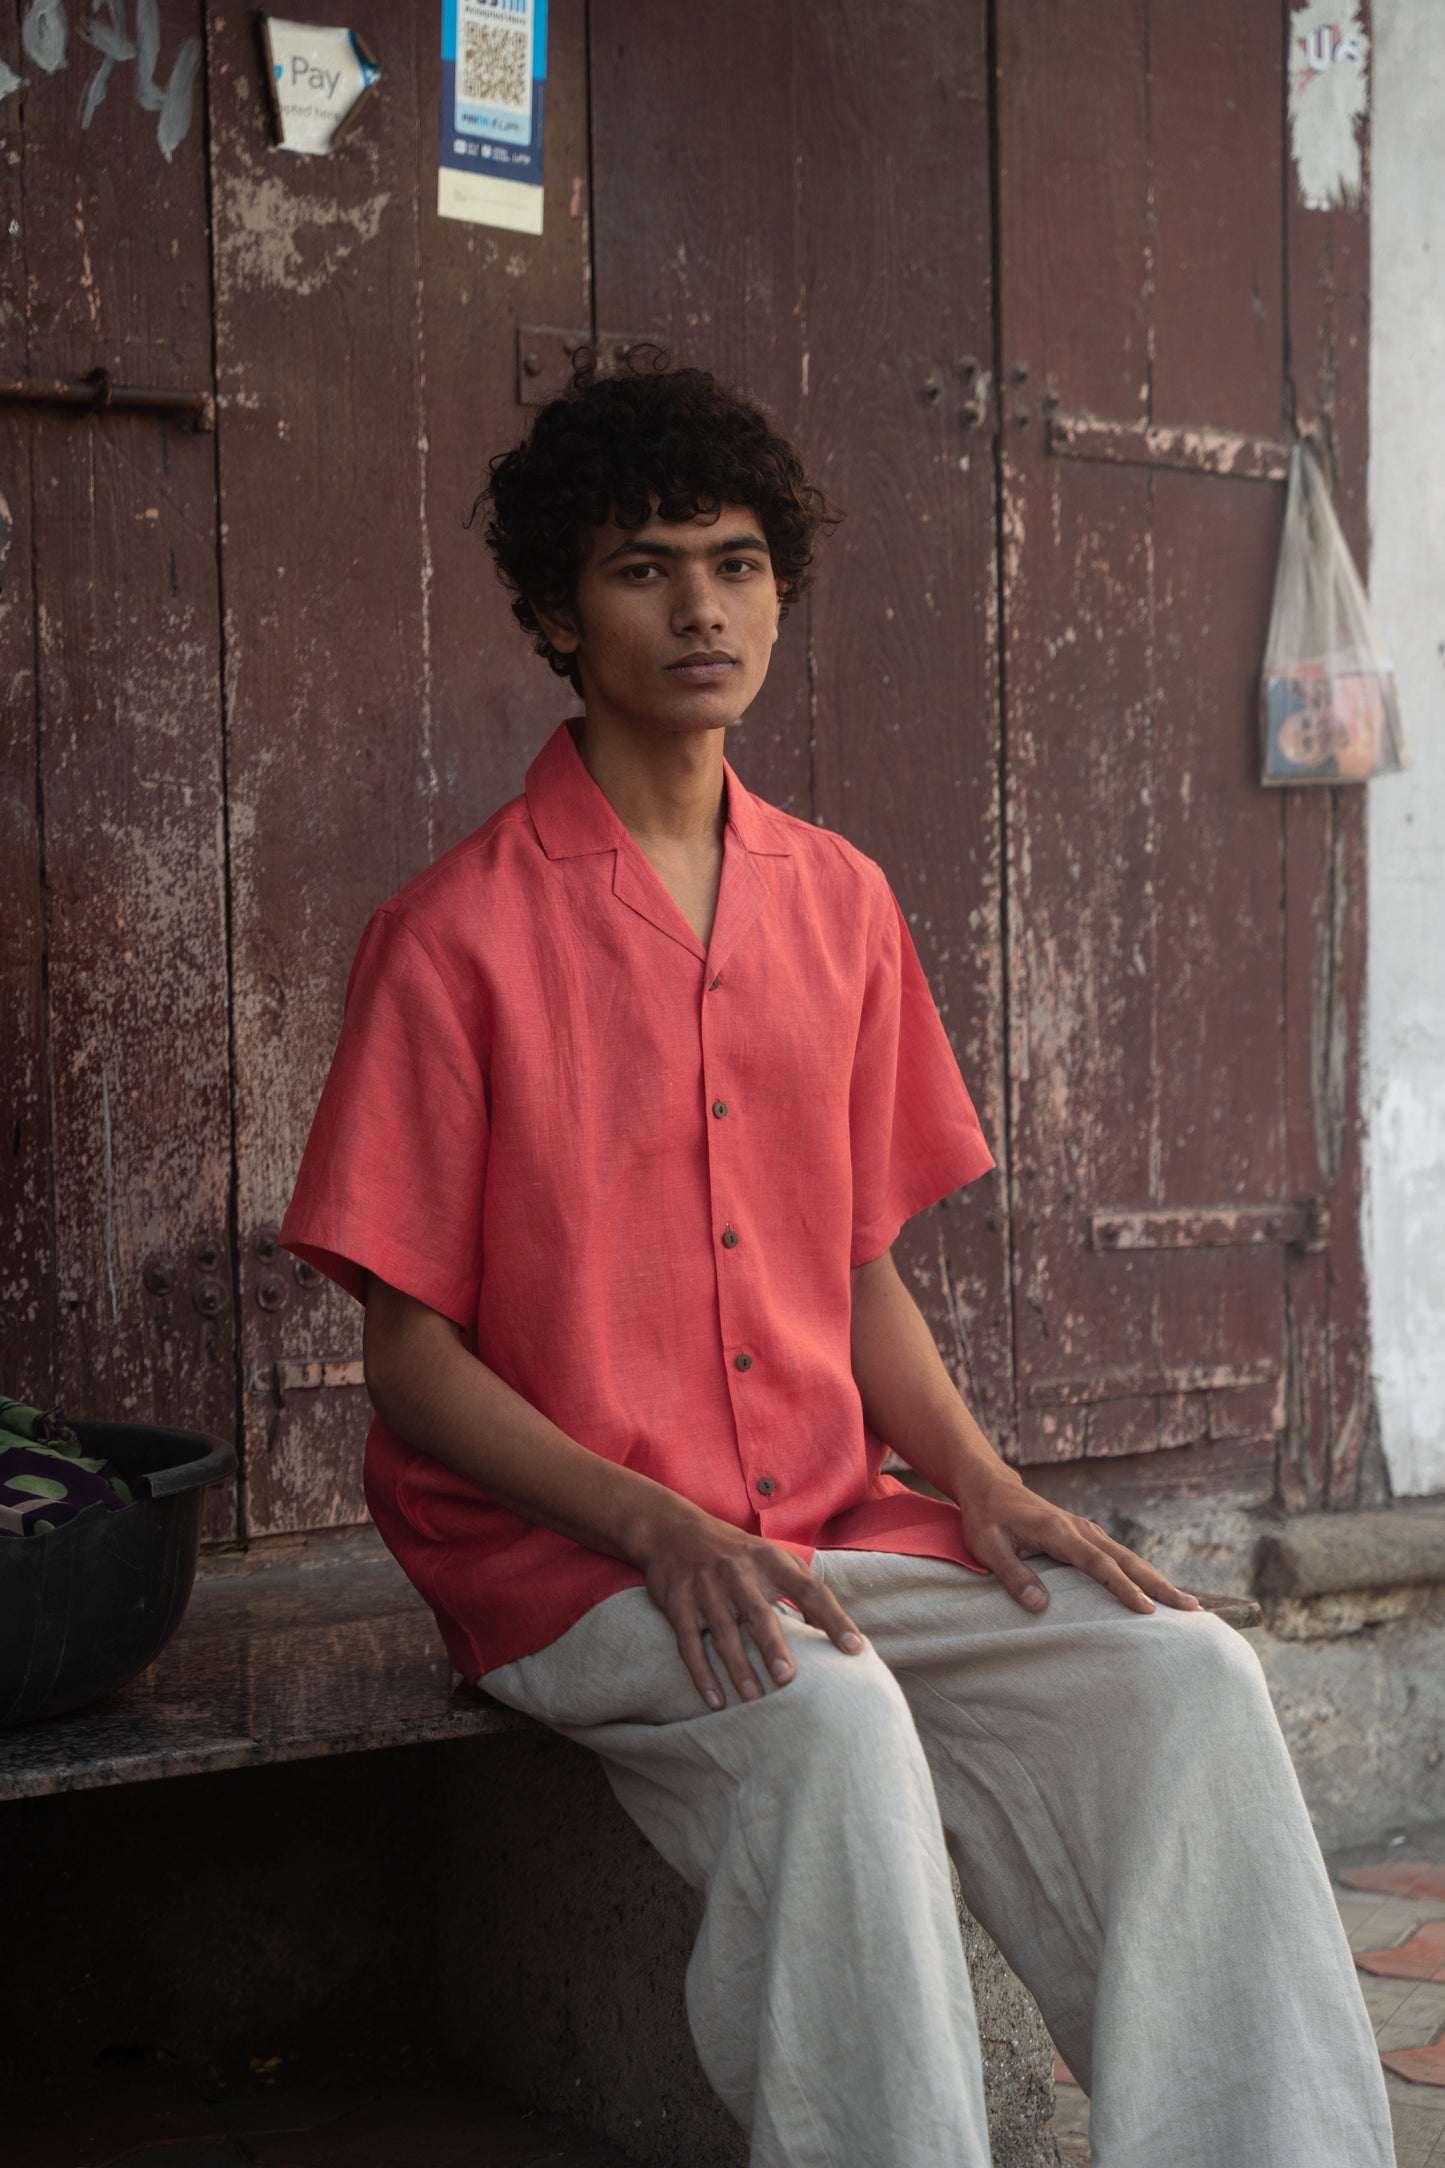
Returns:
(931, 392)
(307, 1274)
(531, 365)
(160, 1275)
(208, 1254)
(267, 1243)
(271, 1292)
(209, 1297)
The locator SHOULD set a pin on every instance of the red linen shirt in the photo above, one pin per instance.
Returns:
(637, 1174)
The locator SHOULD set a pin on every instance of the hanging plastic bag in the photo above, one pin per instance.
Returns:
(1329, 710)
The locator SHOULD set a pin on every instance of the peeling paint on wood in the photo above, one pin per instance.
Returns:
(1187, 451)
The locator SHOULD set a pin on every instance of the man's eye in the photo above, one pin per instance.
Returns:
(739, 564)
(638, 573)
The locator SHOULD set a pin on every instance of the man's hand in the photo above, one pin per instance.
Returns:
(706, 1576)
(1004, 1523)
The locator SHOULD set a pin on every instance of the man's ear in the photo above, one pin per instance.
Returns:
(559, 622)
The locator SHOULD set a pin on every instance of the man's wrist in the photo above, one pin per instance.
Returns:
(656, 1518)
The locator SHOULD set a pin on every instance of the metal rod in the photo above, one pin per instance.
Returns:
(95, 393)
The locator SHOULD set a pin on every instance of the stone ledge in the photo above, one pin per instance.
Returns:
(319, 1651)
(1339, 1554)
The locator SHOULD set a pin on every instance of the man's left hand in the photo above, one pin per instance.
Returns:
(1004, 1523)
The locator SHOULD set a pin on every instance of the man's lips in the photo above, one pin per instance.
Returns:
(704, 667)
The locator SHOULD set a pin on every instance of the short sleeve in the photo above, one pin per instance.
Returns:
(392, 1175)
(914, 1134)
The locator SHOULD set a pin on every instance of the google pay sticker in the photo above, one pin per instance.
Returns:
(318, 75)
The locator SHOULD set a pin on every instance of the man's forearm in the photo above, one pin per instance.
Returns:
(908, 1396)
(440, 1399)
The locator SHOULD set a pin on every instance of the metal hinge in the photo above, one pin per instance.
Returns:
(1187, 451)
(1303, 1225)
(306, 1375)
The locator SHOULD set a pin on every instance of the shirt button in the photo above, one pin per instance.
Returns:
(730, 1240)
(766, 1485)
(719, 1107)
(743, 1362)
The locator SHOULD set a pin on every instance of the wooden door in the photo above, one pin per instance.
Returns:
(116, 1165)
(1183, 945)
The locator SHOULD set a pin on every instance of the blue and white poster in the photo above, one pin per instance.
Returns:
(494, 74)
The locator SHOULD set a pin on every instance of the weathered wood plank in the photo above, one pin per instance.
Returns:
(1323, 843)
(903, 629)
(491, 701)
(1142, 282)
(331, 778)
(382, 702)
(695, 156)
(27, 1277)
(124, 544)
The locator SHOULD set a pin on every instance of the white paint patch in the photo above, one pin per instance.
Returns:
(1405, 1018)
(269, 237)
(1328, 99)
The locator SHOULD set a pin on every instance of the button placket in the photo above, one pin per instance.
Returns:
(735, 1317)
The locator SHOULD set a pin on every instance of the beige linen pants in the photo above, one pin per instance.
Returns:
(1120, 1805)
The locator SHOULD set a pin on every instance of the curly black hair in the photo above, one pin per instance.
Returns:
(608, 448)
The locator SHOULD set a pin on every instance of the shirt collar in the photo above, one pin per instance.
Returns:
(572, 816)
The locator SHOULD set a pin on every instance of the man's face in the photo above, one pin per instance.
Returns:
(674, 621)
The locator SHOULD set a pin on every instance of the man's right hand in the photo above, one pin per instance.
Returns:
(704, 1575)
(707, 1577)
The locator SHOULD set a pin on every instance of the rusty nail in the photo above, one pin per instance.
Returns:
(531, 365)
(209, 1297)
(271, 1293)
(307, 1274)
(208, 1256)
(268, 1242)
(160, 1275)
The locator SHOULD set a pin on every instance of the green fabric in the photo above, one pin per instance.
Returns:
(46, 1479)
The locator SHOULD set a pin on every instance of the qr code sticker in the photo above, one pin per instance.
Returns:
(495, 67)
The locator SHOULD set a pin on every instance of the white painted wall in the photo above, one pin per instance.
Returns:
(1405, 1027)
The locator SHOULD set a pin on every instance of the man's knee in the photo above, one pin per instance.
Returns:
(1190, 1670)
(837, 1707)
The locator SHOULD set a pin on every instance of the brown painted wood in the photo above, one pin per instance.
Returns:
(1142, 272)
(492, 701)
(741, 216)
(903, 639)
(27, 1277)
(381, 700)
(695, 162)
(1324, 871)
(328, 769)
(121, 529)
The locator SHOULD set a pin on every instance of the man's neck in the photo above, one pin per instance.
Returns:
(666, 787)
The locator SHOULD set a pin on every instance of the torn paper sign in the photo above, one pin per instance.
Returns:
(1328, 97)
(318, 76)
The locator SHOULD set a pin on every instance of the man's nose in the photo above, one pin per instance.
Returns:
(697, 601)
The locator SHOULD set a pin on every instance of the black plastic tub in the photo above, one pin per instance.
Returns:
(85, 1608)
